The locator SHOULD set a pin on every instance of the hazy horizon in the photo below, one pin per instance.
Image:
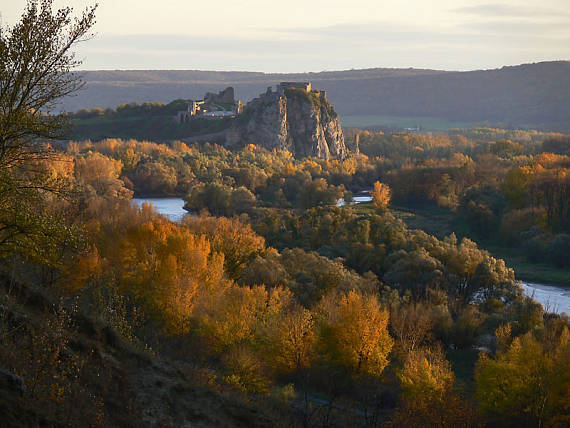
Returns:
(299, 37)
(316, 71)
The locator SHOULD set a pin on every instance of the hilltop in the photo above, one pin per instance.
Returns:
(294, 117)
(530, 95)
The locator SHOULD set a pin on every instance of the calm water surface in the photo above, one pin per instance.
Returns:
(170, 207)
(554, 298)
(358, 198)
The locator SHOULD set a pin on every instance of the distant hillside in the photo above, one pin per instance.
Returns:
(531, 95)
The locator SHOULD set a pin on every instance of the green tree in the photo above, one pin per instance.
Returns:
(35, 62)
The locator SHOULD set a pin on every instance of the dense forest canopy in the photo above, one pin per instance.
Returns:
(508, 188)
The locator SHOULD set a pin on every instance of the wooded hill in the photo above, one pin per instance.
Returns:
(530, 95)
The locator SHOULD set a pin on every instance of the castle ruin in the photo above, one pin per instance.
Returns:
(213, 106)
(223, 104)
(226, 96)
(282, 87)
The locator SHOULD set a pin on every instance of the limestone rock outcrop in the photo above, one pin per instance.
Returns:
(294, 118)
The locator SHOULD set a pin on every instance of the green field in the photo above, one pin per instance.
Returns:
(425, 123)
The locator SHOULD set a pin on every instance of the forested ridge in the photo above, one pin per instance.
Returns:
(527, 95)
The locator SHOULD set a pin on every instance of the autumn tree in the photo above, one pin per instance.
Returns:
(527, 382)
(411, 325)
(234, 239)
(292, 339)
(426, 372)
(155, 178)
(167, 269)
(354, 333)
(230, 318)
(99, 175)
(515, 187)
(428, 398)
(381, 195)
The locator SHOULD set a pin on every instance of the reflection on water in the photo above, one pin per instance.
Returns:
(170, 207)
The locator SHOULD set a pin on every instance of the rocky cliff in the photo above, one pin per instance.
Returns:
(294, 119)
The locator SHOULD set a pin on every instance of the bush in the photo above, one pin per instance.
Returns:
(559, 250)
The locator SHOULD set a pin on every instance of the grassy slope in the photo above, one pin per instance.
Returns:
(139, 388)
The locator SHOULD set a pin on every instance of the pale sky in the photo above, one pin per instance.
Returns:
(315, 35)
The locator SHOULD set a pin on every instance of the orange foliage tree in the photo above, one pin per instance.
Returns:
(229, 236)
(381, 195)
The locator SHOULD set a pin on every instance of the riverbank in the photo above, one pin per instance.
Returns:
(553, 298)
(544, 273)
(548, 285)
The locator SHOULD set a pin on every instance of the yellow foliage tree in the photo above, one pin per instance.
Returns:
(231, 317)
(235, 240)
(426, 372)
(167, 267)
(381, 195)
(292, 339)
(354, 333)
(428, 398)
(528, 384)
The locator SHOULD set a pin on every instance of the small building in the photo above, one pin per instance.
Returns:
(195, 107)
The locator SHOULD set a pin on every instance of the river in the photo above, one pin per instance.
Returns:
(552, 297)
(360, 197)
(173, 208)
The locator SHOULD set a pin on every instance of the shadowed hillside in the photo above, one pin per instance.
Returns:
(534, 95)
